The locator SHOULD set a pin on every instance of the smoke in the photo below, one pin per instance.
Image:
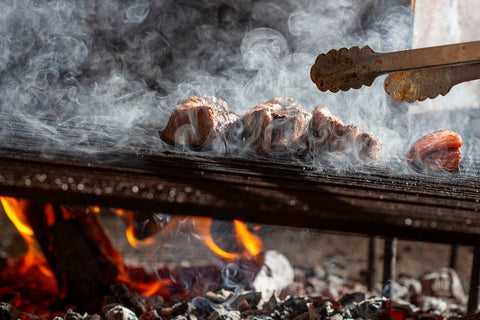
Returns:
(103, 76)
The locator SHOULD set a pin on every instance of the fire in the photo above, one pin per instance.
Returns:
(32, 275)
(129, 216)
(412, 6)
(32, 266)
(251, 243)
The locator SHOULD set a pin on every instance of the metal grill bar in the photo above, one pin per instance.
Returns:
(256, 191)
(370, 201)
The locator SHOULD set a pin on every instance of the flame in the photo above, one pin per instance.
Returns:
(34, 261)
(202, 226)
(129, 216)
(412, 6)
(33, 265)
(252, 244)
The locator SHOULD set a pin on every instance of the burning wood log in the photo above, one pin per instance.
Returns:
(78, 252)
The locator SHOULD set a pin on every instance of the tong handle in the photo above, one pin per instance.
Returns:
(351, 68)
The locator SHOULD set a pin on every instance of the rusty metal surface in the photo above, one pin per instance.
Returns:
(411, 86)
(439, 209)
(345, 69)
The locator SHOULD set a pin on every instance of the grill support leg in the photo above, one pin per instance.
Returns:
(474, 282)
(372, 262)
(453, 256)
(389, 256)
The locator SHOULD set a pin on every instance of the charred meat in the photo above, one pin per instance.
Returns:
(366, 147)
(327, 133)
(198, 121)
(278, 127)
(437, 151)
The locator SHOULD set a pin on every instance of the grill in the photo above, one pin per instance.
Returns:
(385, 200)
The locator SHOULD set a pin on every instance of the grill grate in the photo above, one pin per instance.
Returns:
(387, 201)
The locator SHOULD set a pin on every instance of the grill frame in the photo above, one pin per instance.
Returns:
(368, 200)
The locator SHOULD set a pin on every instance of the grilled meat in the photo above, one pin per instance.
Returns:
(366, 147)
(198, 121)
(278, 127)
(327, 133)
(437, 151)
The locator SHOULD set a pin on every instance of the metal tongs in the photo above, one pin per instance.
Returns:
(415, 74)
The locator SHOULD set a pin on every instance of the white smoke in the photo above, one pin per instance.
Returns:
(103, 76)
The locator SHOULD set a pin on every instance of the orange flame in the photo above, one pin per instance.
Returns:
(412, 6)
(34, 258)
(252, 244)
(33, 261)
(130, 232)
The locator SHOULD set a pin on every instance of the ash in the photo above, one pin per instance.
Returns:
(313, 294)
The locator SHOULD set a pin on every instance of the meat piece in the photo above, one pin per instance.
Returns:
(278, 127)
(198, 121)
(437, 151)
(327, 133)
(366, 147)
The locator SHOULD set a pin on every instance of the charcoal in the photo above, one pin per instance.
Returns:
(199, 122)
(368, 309)
(277, 128)
(71, 315)
(240, 304)
(313, 314)
(93, 317)
(202, 307)
(154, 302)
(327, 309)
(6, 311)
(128, 298)
(350, 298)
(336, 316)
(177, 309)
(220, 297)
(150, 315)
(119, 312)
(432, 304)
(270, 305)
